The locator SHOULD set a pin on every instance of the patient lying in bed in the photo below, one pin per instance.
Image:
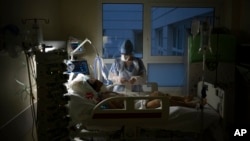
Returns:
(86, 94)
(95, 91)
(185, 101)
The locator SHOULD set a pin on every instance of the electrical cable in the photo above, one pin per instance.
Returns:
(33, 67)
(31, 97)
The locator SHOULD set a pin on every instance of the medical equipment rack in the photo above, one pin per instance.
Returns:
(52, 113)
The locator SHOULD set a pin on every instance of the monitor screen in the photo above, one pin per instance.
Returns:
(80, 66)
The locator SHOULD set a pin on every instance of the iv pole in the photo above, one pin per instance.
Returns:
(38, 31)
(205, 44)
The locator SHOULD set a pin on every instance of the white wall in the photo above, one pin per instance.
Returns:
(77, 18)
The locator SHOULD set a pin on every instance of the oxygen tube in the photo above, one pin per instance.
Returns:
(100, 67)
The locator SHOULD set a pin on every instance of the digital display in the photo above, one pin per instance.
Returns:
(81, 67)
(74, 45)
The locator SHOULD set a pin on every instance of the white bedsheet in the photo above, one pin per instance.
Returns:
(190, 119)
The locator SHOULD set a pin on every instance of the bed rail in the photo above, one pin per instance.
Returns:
(130, 114)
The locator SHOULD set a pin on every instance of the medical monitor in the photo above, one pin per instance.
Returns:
(80, 66)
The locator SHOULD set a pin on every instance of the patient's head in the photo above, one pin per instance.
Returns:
(97, 85)
(79, 85)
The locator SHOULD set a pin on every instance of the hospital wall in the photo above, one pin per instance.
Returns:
(79, 18)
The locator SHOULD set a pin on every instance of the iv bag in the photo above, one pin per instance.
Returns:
(195, 27)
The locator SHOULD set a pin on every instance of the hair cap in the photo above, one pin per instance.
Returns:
(126, 47)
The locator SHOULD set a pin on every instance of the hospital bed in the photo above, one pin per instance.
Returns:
(135, 122)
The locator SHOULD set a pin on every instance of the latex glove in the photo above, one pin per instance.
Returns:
(138, 80)
(132, 80)
(123, 80)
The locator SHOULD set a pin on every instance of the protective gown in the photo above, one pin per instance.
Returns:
(119, 70)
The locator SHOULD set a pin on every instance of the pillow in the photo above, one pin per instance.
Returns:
(82, 88)
(83, 98)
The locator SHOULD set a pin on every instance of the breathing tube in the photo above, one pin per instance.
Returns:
(99, 68)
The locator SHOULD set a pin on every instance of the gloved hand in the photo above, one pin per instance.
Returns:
(123, 80)
(137, 80)
(132, 80)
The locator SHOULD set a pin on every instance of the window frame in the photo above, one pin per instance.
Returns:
(147, 58)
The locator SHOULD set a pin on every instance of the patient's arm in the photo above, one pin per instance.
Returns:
(112, 104)
(118, 104)
(181, 103)
(185, 101)
(155, 103)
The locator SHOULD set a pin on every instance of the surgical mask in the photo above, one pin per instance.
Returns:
(125, 58)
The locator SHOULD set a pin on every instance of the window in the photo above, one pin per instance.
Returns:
(175, 23)
(159, 40)
(159, 33)
(121, 22)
